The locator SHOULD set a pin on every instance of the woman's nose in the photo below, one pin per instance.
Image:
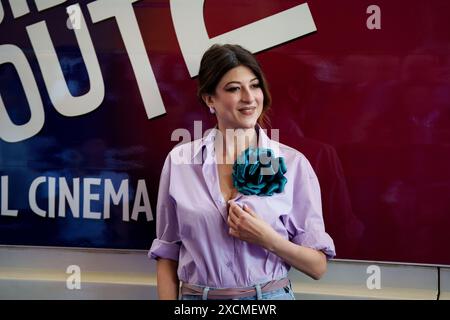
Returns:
(247, 95)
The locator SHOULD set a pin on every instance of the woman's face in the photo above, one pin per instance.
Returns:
(238, 100)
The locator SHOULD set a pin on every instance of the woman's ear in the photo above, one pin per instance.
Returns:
(208, 100)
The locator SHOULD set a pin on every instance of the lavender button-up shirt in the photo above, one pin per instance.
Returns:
(191, 217)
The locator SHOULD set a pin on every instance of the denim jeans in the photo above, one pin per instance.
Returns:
(285, 293)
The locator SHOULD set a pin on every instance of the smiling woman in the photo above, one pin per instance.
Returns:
(230, 81)
(232, 229)
(236, 103)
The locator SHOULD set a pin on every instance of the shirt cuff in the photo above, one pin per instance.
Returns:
(317, 240)
(164, 249)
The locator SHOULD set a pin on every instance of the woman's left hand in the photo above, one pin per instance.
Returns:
(246, 225)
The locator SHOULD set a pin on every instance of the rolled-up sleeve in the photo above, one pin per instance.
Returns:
(305, 223)
(167, 243)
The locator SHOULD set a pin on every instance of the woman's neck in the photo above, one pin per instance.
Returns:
(234, 142)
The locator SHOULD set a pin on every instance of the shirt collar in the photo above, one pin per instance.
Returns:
(263, 141)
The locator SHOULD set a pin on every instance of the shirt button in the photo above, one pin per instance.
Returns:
(229, 264)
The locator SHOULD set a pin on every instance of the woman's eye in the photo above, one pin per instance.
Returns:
(256, 85)
(232, 89)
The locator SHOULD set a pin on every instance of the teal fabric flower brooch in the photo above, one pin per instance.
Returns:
(258, 172)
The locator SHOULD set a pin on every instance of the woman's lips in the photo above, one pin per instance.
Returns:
(247, 111)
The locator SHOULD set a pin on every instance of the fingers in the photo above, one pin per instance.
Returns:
(241, 211)
(232, 221)
(249, 210)
(233, 232)
(234, 207)
(234, 215)
(238, 213)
